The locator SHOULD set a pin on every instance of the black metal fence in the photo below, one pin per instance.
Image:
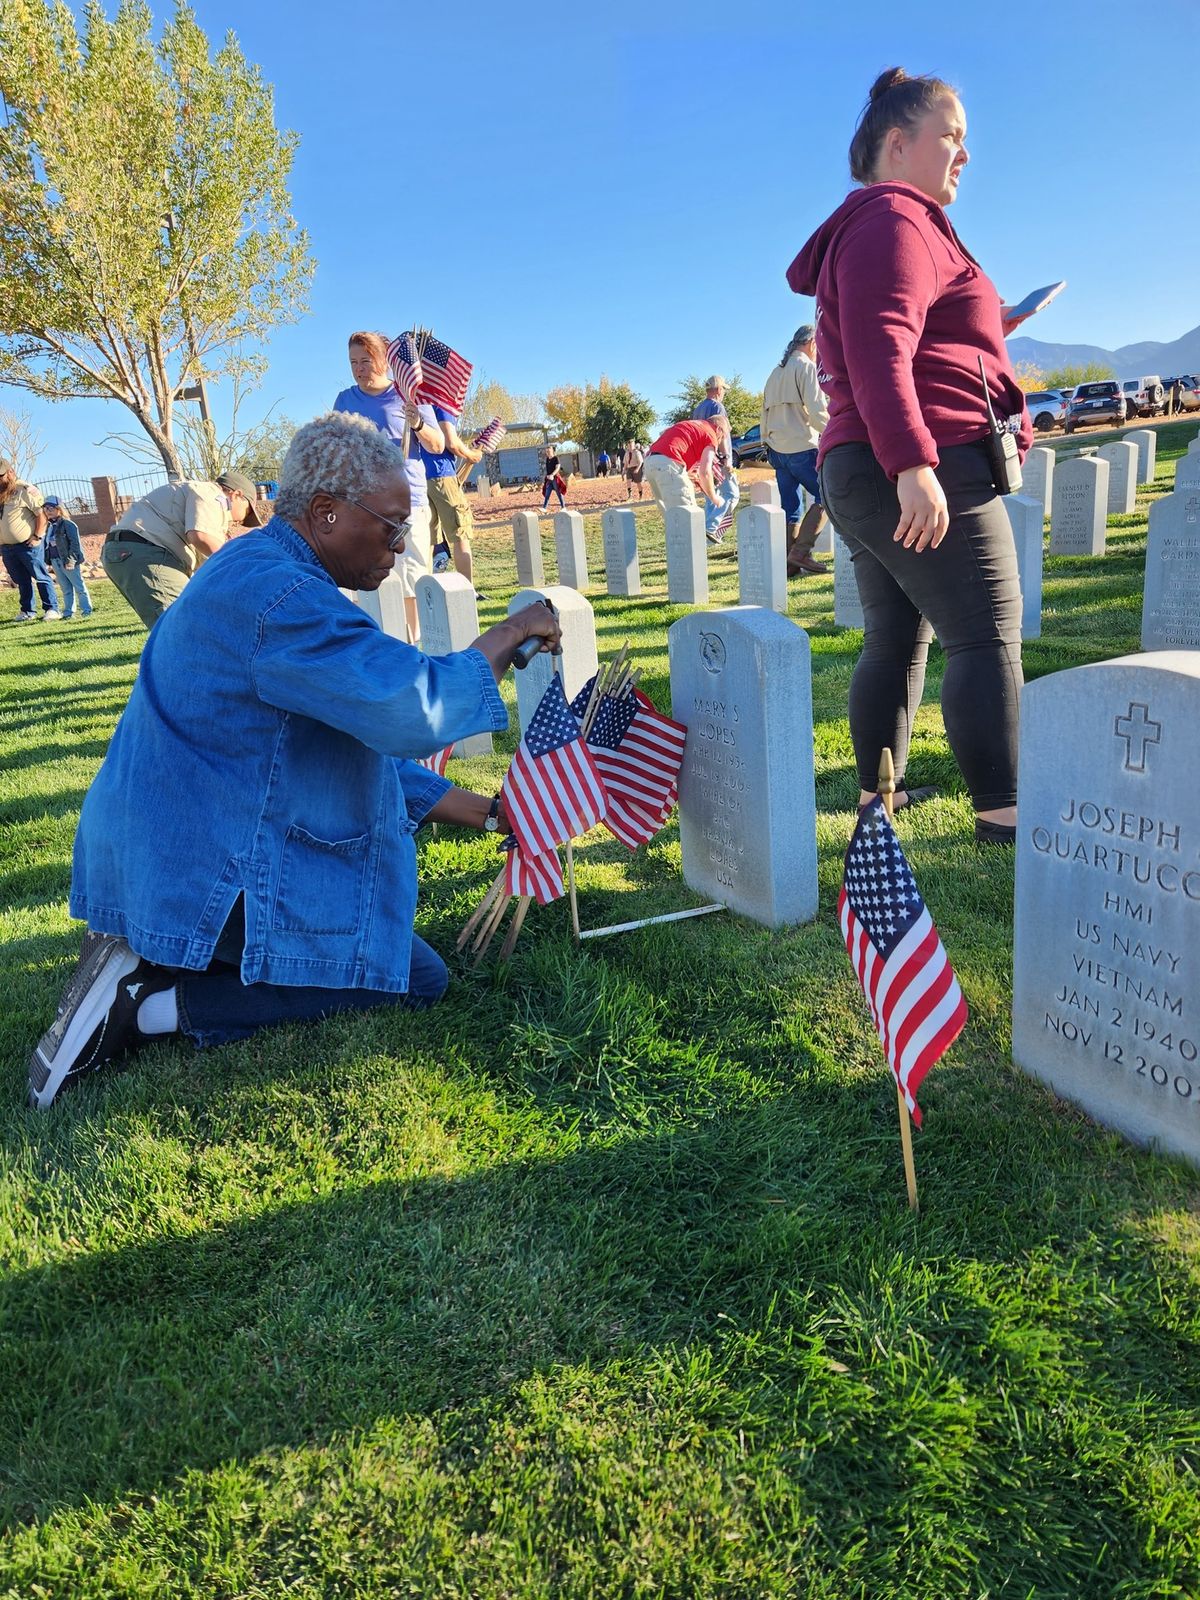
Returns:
(76, 494)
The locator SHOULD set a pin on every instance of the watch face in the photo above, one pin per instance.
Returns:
(492, 824)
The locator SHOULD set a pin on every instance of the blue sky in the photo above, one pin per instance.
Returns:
(601, 195)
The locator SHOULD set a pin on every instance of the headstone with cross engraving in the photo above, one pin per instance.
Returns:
(1146, 441)
(570, 549)
(764, 492)
(1079, 509)
(1106, 960)
(1171, 596)
(579, 659)
(527, 539)
(622, 574)
(449, 621)
(741, 682)
(1187, 472)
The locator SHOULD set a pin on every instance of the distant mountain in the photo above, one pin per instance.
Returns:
(1130, 361)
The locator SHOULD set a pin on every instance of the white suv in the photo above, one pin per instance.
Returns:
(1144, 397)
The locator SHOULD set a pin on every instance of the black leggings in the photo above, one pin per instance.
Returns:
(966, 591)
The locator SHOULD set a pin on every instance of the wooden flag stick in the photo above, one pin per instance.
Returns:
(484, 905)
(571, 891)
(514, 927)
(488, 931)
(887, 788)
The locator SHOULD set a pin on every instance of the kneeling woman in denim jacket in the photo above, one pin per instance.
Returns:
(245, 855)
(904, 316)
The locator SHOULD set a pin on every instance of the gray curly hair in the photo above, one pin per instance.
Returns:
(339, 452)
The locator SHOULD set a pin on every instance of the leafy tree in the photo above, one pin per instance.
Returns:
(1071, 377)
(743, 407)
(487, 399)
(145, 226)
(1031, 379)
(614, 414)
(566, 410)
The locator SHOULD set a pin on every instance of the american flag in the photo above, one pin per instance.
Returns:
(446, 376)
(539, 875)
(489, 438)
(638, 754)
(405, 363)
(552, 791)
(438, 761)
(915, 1002)
(719, 475)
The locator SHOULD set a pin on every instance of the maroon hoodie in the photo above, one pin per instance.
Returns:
(904, 313)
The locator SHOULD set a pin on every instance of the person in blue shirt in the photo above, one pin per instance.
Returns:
(65, 554)
(713, 407)
(245, 855)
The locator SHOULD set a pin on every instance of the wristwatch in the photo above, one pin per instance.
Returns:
(491, 822)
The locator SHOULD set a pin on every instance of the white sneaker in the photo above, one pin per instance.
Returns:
(25, 616)
(51, 616)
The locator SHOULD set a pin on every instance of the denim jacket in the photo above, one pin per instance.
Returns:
(264, 753)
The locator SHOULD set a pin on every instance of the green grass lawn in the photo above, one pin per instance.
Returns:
(598, 1279)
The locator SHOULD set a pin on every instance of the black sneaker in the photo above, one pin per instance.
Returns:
(97, 1018)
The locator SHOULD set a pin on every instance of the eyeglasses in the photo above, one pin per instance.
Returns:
(400, 530)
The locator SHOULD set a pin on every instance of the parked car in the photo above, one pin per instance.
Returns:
(1144, 397)
(1047, 409)
(1095, 402)
(749, 446)
(1189, 399)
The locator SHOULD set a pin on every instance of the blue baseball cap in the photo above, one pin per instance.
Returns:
(51, 502)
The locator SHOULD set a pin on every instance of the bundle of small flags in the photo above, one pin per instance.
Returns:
(488, 438)
(608, 757)
(425, 369)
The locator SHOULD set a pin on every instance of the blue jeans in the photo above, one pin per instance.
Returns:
(70, 581)
(549, 484)
(216, 1007)
(26, 567)
(794, 470)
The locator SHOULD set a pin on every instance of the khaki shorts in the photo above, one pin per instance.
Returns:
(449, 514)
(148, 576)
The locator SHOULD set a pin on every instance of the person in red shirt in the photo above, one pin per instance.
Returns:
(904, 316)
(685, 451)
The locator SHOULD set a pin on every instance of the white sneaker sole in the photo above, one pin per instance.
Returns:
(89, 998)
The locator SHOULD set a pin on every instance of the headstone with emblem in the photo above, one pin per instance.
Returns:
(741, 683)
(1122, 458)
(1146, 441)
(1025, 515)
(687, 558)
(1106, 960)
(847, 606)
(1079, 510)
(622, 574)
(527, 539)
(579, 659)
(1037, 476)
(762, 557)
(570, 549)
(449, 620)
(1171, 595)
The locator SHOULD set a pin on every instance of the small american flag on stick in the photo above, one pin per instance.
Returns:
(539, 875)
(552, 790)
(446, 376)
(638, 753)
(438, 761)
(914, 998)
(405, 362)
(488, 438)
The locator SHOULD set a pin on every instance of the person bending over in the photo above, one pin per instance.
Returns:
(245, 855)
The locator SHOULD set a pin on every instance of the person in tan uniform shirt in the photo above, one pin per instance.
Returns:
(22, 528)
(160, 540)
(794, 415)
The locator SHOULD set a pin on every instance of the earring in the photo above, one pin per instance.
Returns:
(331, 516)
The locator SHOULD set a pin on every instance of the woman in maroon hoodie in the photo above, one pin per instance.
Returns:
(904, 314)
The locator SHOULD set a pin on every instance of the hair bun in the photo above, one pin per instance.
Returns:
(887, 80)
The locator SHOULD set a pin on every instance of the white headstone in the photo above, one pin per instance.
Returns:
(579, 659)
(740, 681)
(570, 549)
(1147, 444)
(1037, 476)
(449, 621)
(687, 557)
(1194, 446)
(1025, 515)
(527, 538)
(1079, 509)
(847, 607)
(764, 492)
(1187, 472)
(621, 572)
(762, 557)
(1106, 960)
(386, 605)
(1171, 597)
(1122, 458)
